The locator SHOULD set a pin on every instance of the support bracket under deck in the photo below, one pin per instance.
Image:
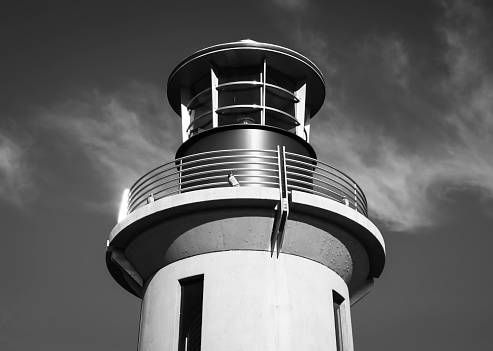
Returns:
(282, 211)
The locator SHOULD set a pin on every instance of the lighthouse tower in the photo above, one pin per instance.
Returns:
(246, 241)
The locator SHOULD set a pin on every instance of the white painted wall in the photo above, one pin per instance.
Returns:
(252, 301)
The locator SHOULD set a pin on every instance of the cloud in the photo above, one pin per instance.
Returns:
(315, 47)
(469, 89)
(15, 172)
(124, 134)
(390, 55)
(388, 177)
(292, 4)
(406, 136)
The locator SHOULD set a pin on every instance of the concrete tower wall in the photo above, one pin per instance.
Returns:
(251, 301)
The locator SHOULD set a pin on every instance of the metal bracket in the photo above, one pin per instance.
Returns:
(282, 210)
(118, 257)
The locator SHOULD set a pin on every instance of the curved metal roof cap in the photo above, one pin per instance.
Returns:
(248, 53)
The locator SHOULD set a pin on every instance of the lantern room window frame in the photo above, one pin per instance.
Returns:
(230, 97)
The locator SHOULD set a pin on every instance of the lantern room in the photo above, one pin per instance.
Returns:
(246, 82)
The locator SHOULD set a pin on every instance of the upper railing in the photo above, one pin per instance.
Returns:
(247, 167)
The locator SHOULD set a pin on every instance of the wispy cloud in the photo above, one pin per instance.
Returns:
(292, 4)
(389, 54)
(407, 136)
(125, 134)
(469, 89)
(15, 172)
(316, 48)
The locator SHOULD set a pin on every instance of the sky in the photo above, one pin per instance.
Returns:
(408, 114)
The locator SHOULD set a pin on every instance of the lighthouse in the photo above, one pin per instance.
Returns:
(246, 240)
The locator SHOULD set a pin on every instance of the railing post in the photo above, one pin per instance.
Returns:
(214, 98)
(186, 118)
(355, 198)
(285, 174)
(299, 111)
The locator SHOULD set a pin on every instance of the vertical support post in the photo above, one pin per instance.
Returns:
(262, 97)
(280, 170)
(275, 228)
(307, 125)
(299, 110)
(284, 202)
(185, 113)
(283, 206)
(214, 97)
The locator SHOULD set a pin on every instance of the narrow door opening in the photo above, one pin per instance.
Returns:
(192, 292)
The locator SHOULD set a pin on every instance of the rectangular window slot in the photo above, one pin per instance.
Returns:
(192, 292)
(337, 301)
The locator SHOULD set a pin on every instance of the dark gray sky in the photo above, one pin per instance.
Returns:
(408, 114)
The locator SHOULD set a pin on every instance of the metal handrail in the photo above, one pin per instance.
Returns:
(202, 154)
(251, 84)
(252, 168)
(346, 185)
(254, 107)
(353, 183)
(291, 117)
(221, 110)
(196, 97)
(205, 114)
(286, 91)
(155, 178)
(144, 186)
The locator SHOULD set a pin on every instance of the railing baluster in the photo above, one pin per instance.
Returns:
(355, 198)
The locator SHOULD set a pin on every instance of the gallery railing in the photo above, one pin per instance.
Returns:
(249, 168)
